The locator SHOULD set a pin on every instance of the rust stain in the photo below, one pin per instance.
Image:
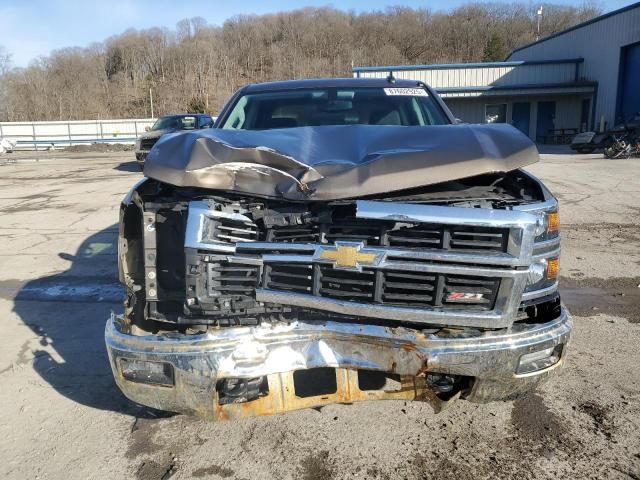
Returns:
(281, 397)
(408, 347)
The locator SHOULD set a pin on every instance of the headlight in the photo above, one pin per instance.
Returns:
(553, 223)
(543, 274)
(548, 225)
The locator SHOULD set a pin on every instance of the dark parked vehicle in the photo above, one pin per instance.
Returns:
(169, 124)
(333, 241)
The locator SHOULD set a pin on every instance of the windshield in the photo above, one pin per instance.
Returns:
(335, 106)
(178, 123)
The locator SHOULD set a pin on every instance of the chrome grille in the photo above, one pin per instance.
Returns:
(147, 143)
(418, 263)
(392, 287)
(396, 234)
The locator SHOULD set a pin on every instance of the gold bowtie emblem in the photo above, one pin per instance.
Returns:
(348, 256)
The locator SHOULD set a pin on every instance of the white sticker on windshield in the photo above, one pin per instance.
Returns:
(409, 92)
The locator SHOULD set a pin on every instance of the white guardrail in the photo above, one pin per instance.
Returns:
(44, 135)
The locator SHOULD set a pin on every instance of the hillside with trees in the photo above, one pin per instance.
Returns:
(196, 66)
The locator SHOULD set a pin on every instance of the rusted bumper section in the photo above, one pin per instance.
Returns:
(198, 363)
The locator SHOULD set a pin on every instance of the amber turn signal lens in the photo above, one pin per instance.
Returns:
(553, 268)
(553, 222)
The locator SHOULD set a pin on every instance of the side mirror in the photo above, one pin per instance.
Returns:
(146, 129)
(66, 256)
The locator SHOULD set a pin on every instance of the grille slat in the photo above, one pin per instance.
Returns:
(230, 230)
(411, 276)
(408, 298)
(344, 293)
(474, 243)
(347, 281)
(288, 286)
(236, 230)
(294, 234)
(238, 279)
(356, 230)
(409, 286)
(289, 276)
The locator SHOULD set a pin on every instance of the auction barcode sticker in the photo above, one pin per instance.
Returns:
(410, 92)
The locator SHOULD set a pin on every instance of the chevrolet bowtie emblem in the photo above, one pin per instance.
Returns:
(348, 256)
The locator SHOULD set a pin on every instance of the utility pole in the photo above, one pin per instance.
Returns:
(151, 101)
(539, 17)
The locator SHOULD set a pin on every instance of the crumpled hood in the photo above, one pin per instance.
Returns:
(335, 162)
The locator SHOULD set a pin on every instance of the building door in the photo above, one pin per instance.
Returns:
(546, 120)
(585, 111)
(520, 116)
(629, 86)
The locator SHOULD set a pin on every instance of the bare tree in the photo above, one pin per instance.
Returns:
(197, 66)
(5, 65)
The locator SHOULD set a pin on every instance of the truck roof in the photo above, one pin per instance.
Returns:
(185, 115)
(329, 83)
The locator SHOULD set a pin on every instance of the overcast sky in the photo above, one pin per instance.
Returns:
(31, 28)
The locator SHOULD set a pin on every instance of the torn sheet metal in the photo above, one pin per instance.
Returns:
(335, 162)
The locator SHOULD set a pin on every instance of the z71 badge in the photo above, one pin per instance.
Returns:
(464, 297)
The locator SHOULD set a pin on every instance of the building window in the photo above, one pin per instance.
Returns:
(495, 113)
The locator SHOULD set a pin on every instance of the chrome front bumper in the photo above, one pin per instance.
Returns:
(276, 351)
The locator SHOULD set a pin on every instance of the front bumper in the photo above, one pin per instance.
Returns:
(276, 351)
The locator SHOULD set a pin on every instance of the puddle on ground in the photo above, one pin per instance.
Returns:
(618, 296)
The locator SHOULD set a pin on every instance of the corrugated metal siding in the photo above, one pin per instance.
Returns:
(571, 90)
(599, 44)
(485, 76)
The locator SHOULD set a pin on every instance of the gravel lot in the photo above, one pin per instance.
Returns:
(61, 415)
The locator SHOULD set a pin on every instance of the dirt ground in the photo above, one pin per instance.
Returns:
(61, 415)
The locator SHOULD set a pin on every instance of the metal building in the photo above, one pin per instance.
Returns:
(610, 47)
(550, 89)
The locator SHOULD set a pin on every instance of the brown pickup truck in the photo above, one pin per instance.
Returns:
(337, 240)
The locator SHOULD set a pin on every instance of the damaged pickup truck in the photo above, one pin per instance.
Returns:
(331, 241)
